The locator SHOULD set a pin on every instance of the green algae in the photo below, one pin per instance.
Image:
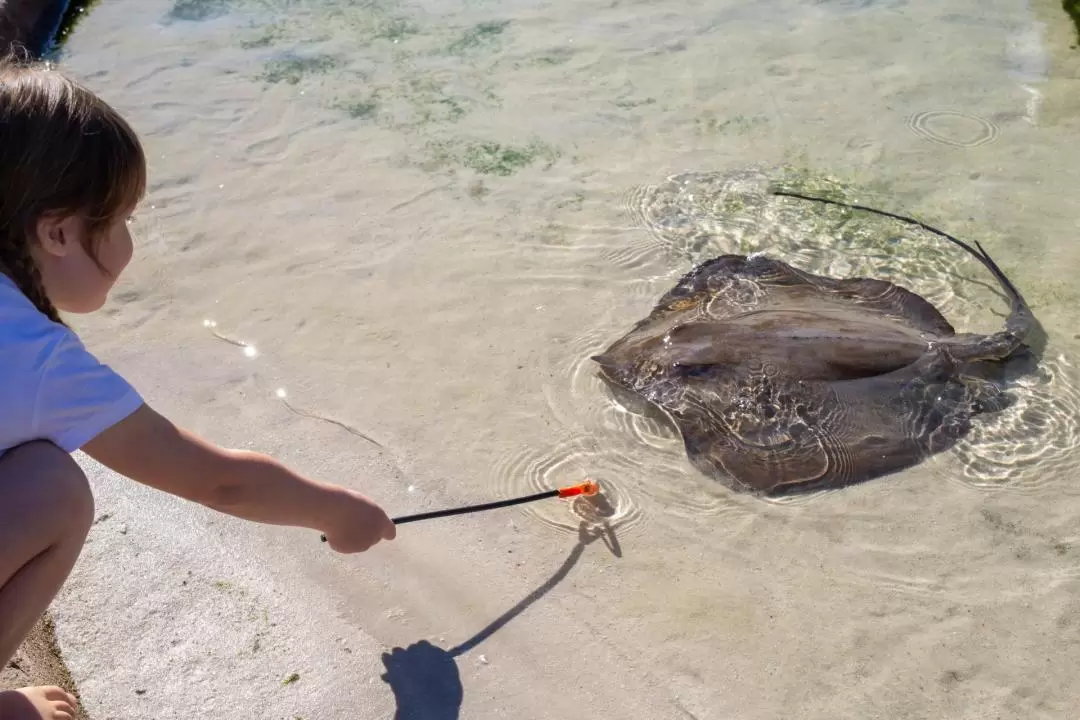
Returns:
(631, 103)
(484, 34)
(429, 101)
(395, 29)
(545, 59)
(709, 124)
(358, 108)
(199, 10)
(799, 178)
(491, 158)
(267, 37)
(293, 69)
(551, 59)
(487, 157)
(403, 91)
(410, 103)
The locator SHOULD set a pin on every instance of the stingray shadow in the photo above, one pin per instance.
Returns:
(424, 677)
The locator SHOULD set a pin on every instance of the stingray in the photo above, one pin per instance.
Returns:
(779, 380)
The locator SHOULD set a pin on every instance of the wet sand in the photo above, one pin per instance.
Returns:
(39, 662)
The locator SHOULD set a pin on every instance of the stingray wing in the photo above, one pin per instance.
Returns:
(732, 285)
(776, 434)
(733, 288)
(742, 426)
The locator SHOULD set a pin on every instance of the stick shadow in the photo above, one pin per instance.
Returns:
(425, 678)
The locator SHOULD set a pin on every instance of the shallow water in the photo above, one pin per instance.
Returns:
(420, 220)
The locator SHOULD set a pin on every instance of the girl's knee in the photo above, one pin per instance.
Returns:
(43, 469)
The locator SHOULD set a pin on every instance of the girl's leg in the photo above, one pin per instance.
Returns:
(46, 509)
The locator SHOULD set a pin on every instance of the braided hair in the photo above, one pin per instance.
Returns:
(63, 151)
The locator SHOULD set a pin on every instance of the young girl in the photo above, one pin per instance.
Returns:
(71, 173)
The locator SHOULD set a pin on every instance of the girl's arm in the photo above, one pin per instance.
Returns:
(146, 447)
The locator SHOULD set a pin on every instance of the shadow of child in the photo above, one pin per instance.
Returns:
(425, 678)
(425, 681)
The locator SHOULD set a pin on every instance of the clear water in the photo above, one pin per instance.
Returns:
(420, 219)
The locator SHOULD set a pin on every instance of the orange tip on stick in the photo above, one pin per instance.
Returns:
(587, 488)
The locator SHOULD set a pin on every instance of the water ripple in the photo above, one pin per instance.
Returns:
(566, 463)
(971, 130)
(1036, 441)
(695, 216)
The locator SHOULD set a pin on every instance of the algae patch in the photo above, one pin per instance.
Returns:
(269, 35)
(490, 158)
(197, 10)
(551, 59)
(396, 29)
(629, 103)
(358, 108)
(293, 69)
(709, 124)
(411, 103)
(482, 35)
(428, 100)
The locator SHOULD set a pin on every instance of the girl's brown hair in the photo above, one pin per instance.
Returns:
(63, 150)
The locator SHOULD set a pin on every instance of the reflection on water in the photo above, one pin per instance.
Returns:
(431, 214)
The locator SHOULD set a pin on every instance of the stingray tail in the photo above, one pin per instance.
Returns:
(1020, 321)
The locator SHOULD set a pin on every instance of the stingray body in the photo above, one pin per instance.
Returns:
(780, 380)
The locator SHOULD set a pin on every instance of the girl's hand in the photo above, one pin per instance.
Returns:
(356, 523)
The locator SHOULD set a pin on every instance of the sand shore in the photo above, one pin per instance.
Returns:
(40, 662)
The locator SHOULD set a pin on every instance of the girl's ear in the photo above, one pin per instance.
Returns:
(57, 233)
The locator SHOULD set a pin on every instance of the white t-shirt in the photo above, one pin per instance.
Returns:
(51, 387)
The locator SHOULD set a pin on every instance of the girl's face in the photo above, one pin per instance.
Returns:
(73, 281)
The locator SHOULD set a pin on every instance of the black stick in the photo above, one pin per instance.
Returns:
(472, 508)
(475, 508)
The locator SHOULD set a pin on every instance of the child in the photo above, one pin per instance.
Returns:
(71, 173)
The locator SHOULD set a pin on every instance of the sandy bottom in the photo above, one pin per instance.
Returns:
(39, 662)
(417, 221)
